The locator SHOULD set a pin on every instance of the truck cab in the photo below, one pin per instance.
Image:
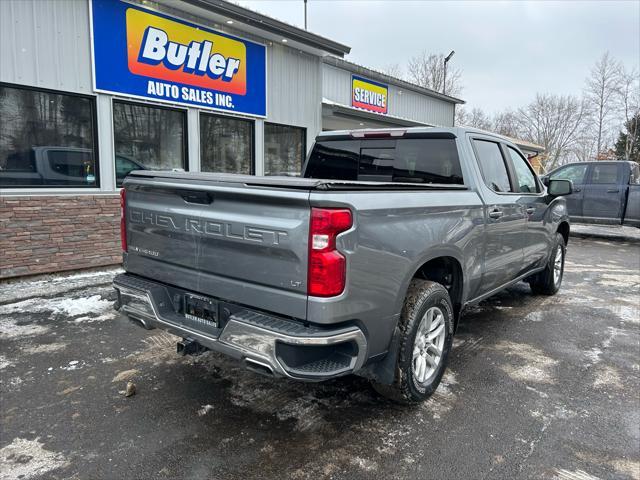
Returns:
(604, 192)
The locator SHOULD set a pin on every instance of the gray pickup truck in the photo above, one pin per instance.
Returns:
(363, 265)
(604, 192)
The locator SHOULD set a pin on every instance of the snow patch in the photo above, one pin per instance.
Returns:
(26, 459)
(73, 365)
(10, 328)
(125, 375)
(594, 355)
(204, 410)
(78, 276)
(536, 366)
(364, 464)
(4, 362)
(82, 306)
(608, 377)
(626, 313)
(101, 318)
(620, 280)
(443, 399)
(68, 306)
(533, 317)
(562, 474)
(44, 348)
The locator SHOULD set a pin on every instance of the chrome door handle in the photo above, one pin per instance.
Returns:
(530, 210)
(495, 214)
(613, 190)
(575, 190)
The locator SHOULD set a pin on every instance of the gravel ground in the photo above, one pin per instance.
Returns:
(538, 387)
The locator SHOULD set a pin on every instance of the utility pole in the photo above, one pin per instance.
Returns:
(446, 60)
(305, 14)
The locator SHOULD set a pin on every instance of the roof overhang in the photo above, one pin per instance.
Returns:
(525, 145)
(346, 111)
(260, 25)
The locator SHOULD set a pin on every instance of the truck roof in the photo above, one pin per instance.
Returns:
(631, 163)
(452, 131)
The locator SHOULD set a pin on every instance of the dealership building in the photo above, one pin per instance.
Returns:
(92, 89)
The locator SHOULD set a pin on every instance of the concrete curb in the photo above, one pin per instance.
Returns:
(605, 236)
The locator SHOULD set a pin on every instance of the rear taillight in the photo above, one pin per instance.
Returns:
(327, 266)
(123, 225)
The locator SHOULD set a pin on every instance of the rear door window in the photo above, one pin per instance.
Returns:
(494, 169)
(526, 180)
(634, 179)
(433, 160)
(407, 160)
(604, 174)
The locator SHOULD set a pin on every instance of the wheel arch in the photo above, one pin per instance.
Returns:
(564, 229)
(432, 267)
(447, 271)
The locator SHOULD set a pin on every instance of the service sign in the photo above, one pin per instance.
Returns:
(369, 95)
(147, 54)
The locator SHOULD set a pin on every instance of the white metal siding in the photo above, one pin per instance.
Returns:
(294, 89)
(46, 44)
(336, 86)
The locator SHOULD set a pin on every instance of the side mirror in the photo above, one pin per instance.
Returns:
(545, 180)
(558, 188)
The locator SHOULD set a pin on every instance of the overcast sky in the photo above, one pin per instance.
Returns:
(506, 50)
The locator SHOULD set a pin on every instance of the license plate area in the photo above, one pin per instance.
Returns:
(201, 313)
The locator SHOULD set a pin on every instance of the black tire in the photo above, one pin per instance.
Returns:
(421, 297)
(544, 282)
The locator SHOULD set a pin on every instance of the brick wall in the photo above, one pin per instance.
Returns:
(43, 234)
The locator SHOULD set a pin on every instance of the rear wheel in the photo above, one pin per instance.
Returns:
(548, 281)
(426, 328)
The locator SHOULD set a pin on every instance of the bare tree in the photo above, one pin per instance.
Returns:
(461, 116)
(427, 70)
(601, 90)
(628, 102)
(506, 123)
(479, 119)
(476, 118)
(392, 69)
(584, 145)
(553, 121)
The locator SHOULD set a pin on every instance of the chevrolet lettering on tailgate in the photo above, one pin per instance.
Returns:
(229, 230)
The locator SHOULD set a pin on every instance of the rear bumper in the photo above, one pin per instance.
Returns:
(264, 343)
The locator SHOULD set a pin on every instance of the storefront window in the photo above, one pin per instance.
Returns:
(284, 149)
(226, 144)
(47, 139)
(148, 138)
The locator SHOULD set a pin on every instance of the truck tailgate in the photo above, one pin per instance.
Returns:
(239, 242)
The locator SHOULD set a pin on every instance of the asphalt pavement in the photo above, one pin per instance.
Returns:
(537, 387)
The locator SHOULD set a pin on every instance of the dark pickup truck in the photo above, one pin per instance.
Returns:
(605, 193)
(362, 266)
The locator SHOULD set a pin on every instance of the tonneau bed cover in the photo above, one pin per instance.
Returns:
(296, 183)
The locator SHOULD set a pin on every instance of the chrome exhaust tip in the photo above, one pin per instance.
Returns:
(259, 367)
(140, 322)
